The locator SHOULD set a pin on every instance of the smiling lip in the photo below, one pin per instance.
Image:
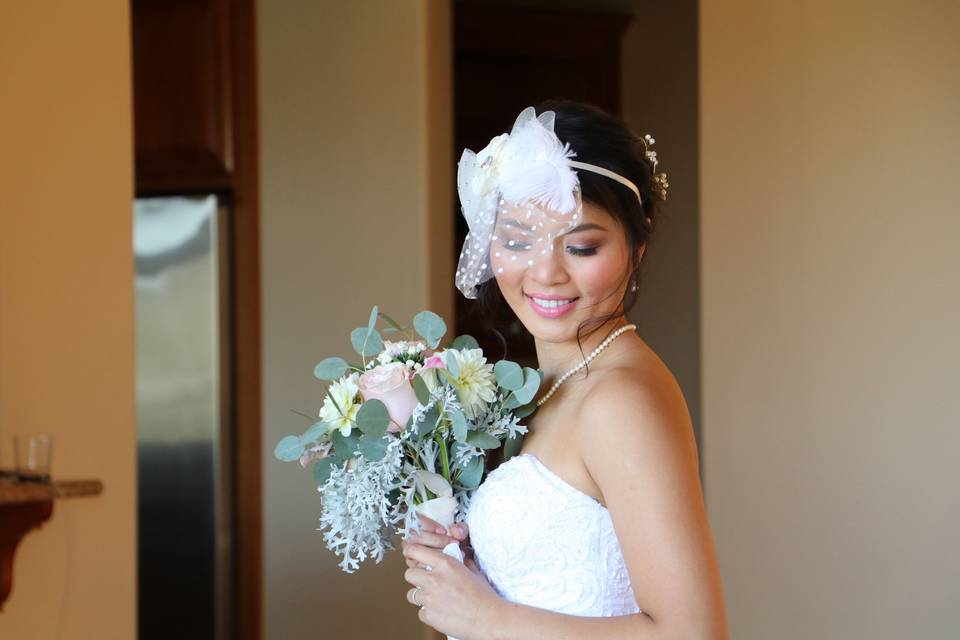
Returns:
(551, 312)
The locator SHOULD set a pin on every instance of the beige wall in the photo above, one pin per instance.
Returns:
(830, 312)
(66, 307)
(354, 102)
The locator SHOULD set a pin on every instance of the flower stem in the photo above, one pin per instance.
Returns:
(444, 459)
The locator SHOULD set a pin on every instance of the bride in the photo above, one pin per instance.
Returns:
(597, 528)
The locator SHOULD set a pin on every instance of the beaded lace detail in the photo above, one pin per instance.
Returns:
(544, 543)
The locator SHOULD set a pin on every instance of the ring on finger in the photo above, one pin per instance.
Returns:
(416, 600)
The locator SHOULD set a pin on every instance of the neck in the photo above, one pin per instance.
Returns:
(556, 358)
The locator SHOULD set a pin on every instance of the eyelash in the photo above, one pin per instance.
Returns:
(576, 251)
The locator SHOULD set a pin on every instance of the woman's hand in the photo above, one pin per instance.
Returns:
(454, 598)
(435, 536)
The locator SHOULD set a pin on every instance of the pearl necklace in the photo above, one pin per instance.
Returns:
(603, 345)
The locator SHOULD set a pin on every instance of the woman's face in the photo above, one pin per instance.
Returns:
(553, 292)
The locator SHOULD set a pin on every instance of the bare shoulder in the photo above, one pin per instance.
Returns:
(636, 408)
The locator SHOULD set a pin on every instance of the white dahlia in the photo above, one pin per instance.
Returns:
(476, 385)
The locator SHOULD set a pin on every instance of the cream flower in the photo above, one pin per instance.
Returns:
(345, 391)
(488, 162)
(476, 385)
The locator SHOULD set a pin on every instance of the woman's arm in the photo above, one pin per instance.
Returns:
(638, 446)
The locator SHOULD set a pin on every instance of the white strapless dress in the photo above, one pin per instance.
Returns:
(543, 543)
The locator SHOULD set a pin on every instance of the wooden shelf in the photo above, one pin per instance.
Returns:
(26, 506)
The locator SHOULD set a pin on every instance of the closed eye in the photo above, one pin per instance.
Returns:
(582, 251)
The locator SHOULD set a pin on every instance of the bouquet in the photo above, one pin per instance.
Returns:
(405, 432)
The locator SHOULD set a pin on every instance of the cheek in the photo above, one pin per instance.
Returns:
(599, 276)
(509, 273)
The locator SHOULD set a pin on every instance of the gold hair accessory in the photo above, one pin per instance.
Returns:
(659, 179)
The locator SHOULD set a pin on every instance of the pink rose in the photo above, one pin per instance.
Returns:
(390, 384)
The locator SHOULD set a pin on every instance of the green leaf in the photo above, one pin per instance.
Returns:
(511, 447)
(430, 326)
(316, 430)
(512, 402)
(330, 368)
(459, 422)
(472, 473)
(464, 342)
(372, 322)
(289, 449)
(322, 469)
(450, 360)
(429, 422)
(525, 410)
(445, 374)
(344, 447)
(509, 375)
(373, 448)
(366, 342)
(420, 389)
(373, 418)
(531, 382)
(396, 326)
(483, 440)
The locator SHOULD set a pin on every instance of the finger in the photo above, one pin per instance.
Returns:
(414, 598)
(460, 531)
(429, 523)
(417, 577)
(430, 539)
(426, 555)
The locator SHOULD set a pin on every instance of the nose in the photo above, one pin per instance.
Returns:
(548, 268)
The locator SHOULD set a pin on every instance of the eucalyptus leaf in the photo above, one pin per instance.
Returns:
(331, 368)
(373, 448)
(289, 448)
(445, 374)
(394, 325)
(525, 410)
(373, 418)
(322, 469)
(420, 389)
(511, 447)
(464, 341)
(316, 430)
(366, 342)
(429, 422)
(459, 422)
(372, 322)
(453, 365)
(509, 374)
(483, 440)
(512, 402)
(344, 447)
(531, 382)
(472, 473)
(430, 326)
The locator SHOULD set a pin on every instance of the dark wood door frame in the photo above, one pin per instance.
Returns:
(197, 132)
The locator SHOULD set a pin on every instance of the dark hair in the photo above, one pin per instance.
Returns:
(604, 140)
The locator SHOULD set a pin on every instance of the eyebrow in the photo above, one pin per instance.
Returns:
(586, 226)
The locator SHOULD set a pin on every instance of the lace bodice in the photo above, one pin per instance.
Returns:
(544, 543)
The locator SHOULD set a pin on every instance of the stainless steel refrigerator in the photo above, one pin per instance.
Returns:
(182, 285)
